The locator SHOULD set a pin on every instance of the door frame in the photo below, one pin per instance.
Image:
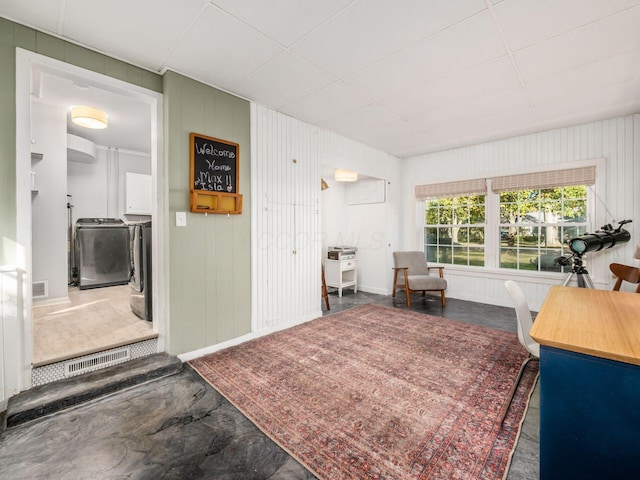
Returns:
(25, 60)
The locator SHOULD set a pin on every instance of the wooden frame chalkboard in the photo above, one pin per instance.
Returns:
(214, 175)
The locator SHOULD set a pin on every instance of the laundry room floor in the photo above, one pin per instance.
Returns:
(95, 319)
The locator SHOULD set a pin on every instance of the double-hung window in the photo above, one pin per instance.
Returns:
(525, 220)
(536, 224)
(454, 231)
(455, 222)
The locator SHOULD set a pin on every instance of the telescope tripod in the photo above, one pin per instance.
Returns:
(584, 280)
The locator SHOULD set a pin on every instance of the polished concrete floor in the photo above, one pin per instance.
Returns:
(178, 427)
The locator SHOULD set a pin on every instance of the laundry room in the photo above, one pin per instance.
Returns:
(91, 186)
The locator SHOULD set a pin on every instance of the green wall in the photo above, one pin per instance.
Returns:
(209, 266)
(209, 259)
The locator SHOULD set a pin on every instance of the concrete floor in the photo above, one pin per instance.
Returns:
(178, 427)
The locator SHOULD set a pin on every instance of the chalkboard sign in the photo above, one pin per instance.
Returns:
(214, 164)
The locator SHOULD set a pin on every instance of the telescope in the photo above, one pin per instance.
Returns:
(606, 237)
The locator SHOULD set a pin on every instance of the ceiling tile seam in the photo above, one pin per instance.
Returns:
(62, 11)
(411, 45)
(162, 68)
(342, 79)
(196, 78)
(334, 77)
(579, 67)
(512, 58)
(211, 3)
(284, 48)
(370, 102)
(578, 27)
(440, 79)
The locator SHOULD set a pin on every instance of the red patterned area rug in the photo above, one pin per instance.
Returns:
(381, 393)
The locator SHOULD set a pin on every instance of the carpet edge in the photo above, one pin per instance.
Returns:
(254, 422)
(524, 416)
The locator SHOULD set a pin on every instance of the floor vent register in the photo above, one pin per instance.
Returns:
(99, 360)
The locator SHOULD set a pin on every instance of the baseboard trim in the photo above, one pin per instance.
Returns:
(185, 357)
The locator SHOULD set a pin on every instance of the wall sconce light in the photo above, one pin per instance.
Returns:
(323, 184)
(342, 175)
(88, 117)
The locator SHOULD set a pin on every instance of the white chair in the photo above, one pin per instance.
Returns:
(525, 322)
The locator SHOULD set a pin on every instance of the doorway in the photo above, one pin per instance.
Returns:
(44, 84)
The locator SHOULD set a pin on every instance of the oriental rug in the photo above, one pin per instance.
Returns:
(381, 393)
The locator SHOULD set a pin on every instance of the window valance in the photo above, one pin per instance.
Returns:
(548, 179)
(452, 189)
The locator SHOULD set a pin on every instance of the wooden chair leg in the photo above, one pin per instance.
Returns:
(407, 291)
(325, 294)
(444, 301)
(395, 283)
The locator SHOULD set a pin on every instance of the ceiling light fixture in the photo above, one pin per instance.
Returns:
(342, 175)
(88, 117)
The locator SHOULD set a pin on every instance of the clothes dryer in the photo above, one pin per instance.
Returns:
(140, 284)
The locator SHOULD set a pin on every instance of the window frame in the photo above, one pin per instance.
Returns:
(540, 225)
(596, 215)
(469, 225)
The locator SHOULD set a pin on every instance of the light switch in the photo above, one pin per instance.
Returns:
(181, 219)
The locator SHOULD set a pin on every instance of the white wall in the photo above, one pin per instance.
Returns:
(49, 205)
(88, 187)
(365, 226)
(98, 188)
(373, 228)
(616, 140)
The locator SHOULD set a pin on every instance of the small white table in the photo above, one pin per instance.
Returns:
(341, 274)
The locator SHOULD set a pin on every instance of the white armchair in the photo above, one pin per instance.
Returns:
(411, 273)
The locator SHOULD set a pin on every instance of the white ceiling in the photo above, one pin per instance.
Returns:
(129, 119)
(404, 76)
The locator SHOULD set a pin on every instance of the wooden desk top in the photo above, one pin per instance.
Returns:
(602, 323)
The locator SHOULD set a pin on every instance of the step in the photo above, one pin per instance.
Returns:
(56, 396)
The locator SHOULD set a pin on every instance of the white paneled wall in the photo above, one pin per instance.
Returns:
(287, 236)
(616, 140)
(286, 224)
(11, 330)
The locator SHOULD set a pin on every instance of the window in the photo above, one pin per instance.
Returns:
(535, 226)
(524, 222)
(454, 230)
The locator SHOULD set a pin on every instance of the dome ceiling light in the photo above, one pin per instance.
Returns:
(88, 117)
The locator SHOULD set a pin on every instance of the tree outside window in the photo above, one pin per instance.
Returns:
(535, 226)
(454, 230)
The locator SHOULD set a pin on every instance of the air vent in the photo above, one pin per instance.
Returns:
(96, 361)
(40, 289)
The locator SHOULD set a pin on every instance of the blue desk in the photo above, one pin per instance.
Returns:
(589, 384)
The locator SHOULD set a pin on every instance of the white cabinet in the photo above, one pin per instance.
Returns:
(341, 274)
(138, 194)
